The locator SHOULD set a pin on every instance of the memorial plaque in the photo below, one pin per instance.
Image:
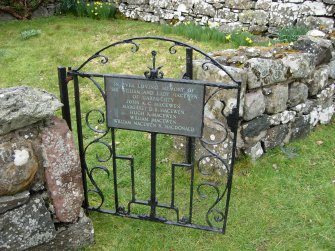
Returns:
(163, 106)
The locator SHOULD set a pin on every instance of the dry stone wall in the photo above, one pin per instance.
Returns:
(286, 91)
(227, 15)
(41, 190)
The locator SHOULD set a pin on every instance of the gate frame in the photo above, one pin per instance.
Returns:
(67, 75)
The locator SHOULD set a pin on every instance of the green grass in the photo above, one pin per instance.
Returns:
(206, 34)
(291, 33)
(290, 207)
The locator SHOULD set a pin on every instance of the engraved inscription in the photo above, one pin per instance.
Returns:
(155, 105)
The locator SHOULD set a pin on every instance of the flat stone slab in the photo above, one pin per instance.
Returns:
(10, 202)
(22, 106)
(26, 226)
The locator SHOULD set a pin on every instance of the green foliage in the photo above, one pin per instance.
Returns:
(2, 52)
(66, 6)
(29, 34)
(291, 33)
(20, 9)
(206, 34)
(83, 8)
(195, 32)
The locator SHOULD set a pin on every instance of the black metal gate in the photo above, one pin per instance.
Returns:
(124, 169)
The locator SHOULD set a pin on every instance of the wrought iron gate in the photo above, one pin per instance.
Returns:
(196, 180)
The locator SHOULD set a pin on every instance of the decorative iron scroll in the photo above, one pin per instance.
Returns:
(210, 173)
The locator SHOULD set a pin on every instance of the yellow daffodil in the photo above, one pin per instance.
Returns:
(228, 37)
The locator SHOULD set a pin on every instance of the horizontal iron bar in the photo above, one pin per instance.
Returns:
(184, 81)
(168, 222)
(145, 203)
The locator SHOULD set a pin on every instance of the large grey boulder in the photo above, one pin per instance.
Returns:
(26, 226)
(321, 48)
(22, 106)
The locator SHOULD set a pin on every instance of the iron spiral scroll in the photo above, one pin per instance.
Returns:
(215, 191)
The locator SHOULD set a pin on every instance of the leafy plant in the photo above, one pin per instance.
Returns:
(20, 9)
(66, 6)
(291, 33)
(196, 32)
(205, 33)
(242, 38)
(82, 8)
(30, 33)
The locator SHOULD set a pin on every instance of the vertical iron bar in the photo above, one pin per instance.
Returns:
(116, 195)
(230, 173)
(153, 200)
(189, 75)
(80, 139)
(173, 185)
(64, 95)
(191, 153)
(132, 179)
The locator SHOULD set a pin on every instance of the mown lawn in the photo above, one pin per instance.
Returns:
(278, 202)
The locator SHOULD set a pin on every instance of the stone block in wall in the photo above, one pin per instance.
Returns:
(319, 80)
(304, 108)
(254, 127)
(226, 15)
(282, 117)
(158, 4)
(70, 237)
(255, 151)
(254, 105)
(329, 1)
(326, 114)
(203, 8)
(275, 136)
(332, 69)
(212, 73)
(18, 166)
(240, 4)
(276, 101)
(262, 72)
(326, 96)
(255, 17)
(299, 65)
(26, 226)
(313, 8)
(319, 47)
(263, 4)
(300, 127)
(322, 23)
(330, 9)
(62, 170)
(298, 93)
(22, 106)
(283, 14)
(13, 201)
